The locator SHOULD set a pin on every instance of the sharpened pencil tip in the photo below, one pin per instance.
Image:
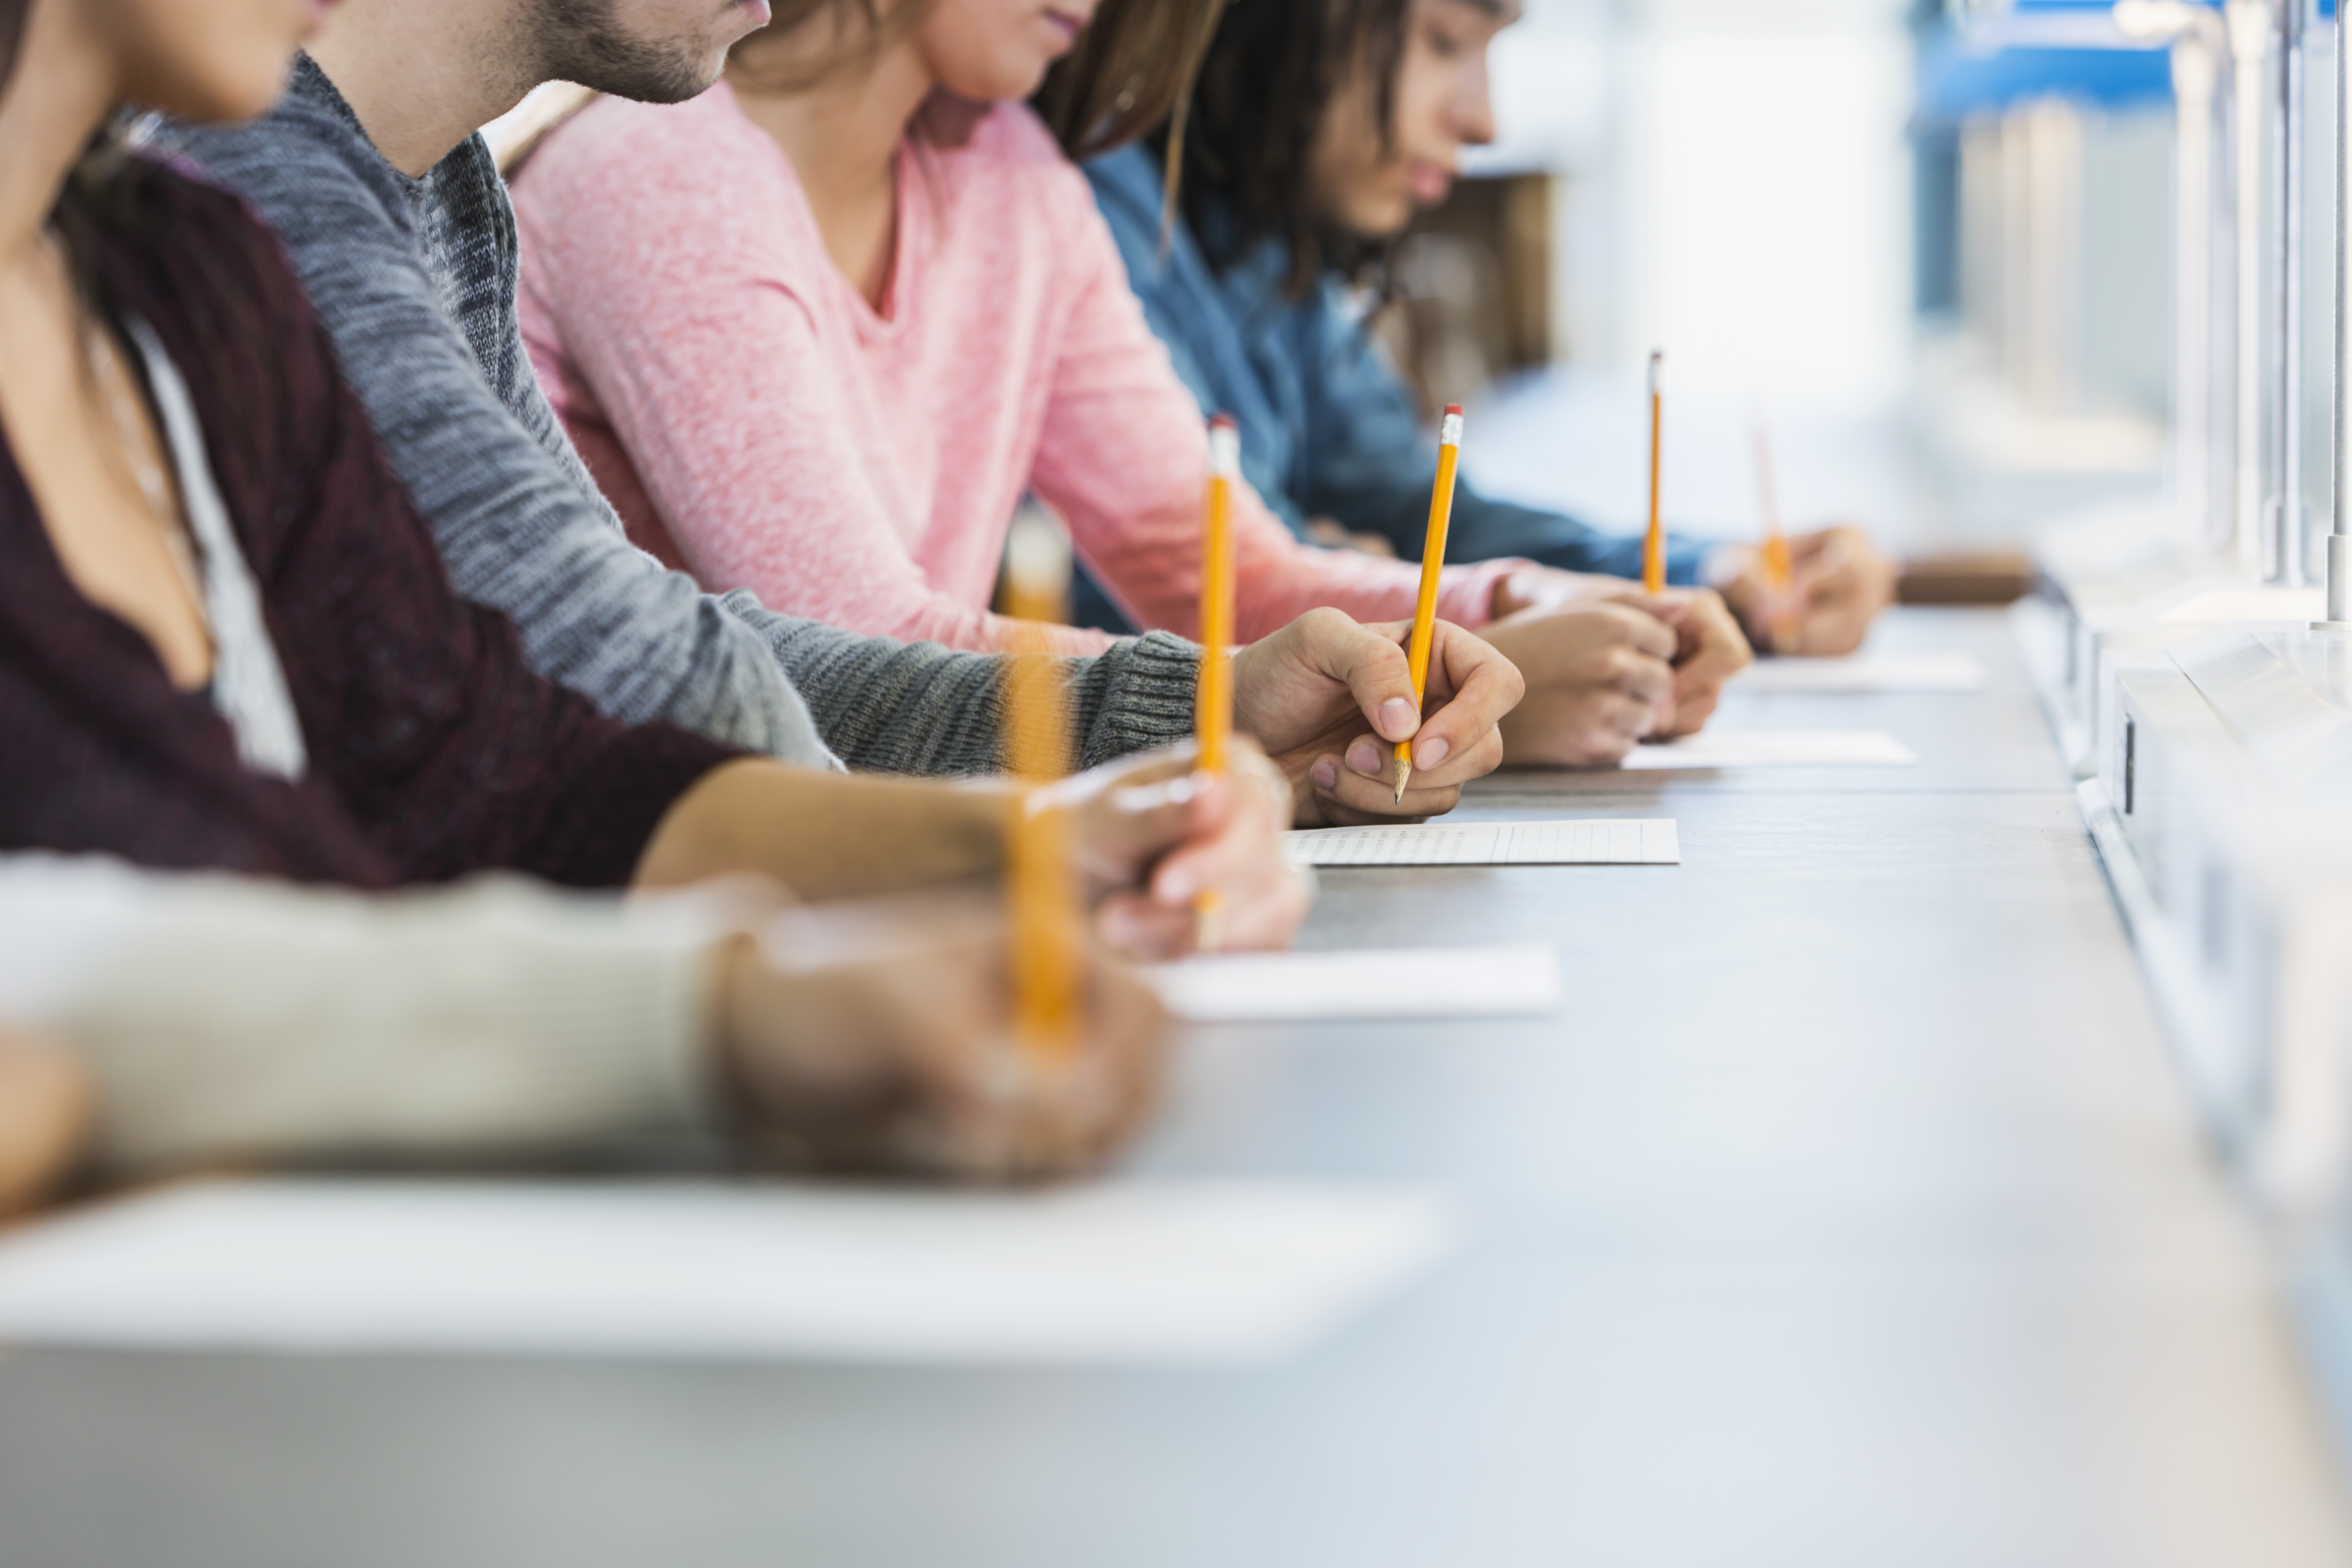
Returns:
(1403, 771)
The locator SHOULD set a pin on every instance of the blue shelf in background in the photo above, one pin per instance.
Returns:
(2044, 48)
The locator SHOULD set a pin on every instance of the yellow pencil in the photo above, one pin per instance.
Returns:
(1776, 543)
(1433, 562)
(1042, 879)
(1212, 720)
(1654, 543)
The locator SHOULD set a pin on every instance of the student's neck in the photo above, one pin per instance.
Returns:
(842, 136)
(61, 89)
(423, 75)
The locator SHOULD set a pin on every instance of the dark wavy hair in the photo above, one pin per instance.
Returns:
(1264, 87)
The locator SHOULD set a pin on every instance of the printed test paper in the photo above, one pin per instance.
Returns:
(1362, 983)
(1865, 672)
(1773, 748)
(1592, 841)
(1197, 1272)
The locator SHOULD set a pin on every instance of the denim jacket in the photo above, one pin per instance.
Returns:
(1327, 427)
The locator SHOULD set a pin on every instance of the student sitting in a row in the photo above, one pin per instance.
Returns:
(1316, 134)
(406, 245)
(226, 639)
(817, 331)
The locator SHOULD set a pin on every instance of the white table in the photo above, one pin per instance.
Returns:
(1849, 1216)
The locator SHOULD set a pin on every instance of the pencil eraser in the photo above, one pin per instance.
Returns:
(1455, 409)
(1222, 422)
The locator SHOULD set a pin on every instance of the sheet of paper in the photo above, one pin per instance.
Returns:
(1947, 671)
(1362, 982)
(1774, 748)
(1190, 1273)
(1592, 841)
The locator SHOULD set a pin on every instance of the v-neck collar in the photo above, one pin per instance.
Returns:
(909, 229)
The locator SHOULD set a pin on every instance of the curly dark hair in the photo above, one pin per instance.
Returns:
(1264, 88)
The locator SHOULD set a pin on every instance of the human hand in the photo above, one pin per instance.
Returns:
(1328, 699)
(1151, 832)
(1708, 652)
(1838, 582)
(1708, 646)
(878, 1037)
(1599, 675)
(45, 1115)
(1533, 587)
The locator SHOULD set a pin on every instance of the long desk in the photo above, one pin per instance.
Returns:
(1849, 1215)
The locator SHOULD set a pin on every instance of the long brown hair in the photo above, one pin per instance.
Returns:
(1131, 70)
(1266, 80)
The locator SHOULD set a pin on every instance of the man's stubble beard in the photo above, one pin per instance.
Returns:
(582, 41)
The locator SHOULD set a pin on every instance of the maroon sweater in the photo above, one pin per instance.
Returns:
(434, 751)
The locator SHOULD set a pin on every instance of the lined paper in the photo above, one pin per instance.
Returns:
(1589, 841)
(1161, 1272)
(1362, 983)
(1946, 671)
(1774, 748)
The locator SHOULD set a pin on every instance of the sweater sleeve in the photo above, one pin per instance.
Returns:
(517, 533)
(1136, 694)
(225, 1018)
(1124, 459)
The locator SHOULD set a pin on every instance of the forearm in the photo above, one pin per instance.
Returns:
(224, 1019)
(827, 836)
(921, 708)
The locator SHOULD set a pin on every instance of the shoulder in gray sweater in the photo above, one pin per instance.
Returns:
(416, 281)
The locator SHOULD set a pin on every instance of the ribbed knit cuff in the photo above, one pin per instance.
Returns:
(1138, 695)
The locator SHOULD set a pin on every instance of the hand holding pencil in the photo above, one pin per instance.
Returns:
(1328, 699)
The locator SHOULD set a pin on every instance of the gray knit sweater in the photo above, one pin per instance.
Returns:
(415, 282)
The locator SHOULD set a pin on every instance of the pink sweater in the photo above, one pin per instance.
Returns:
(757, 423)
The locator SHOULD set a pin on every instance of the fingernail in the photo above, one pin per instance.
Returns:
(1325, 773)
(1430, 753)
(1365, 759)
(1397, 718)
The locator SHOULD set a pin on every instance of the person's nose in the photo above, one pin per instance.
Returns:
(1474, 108)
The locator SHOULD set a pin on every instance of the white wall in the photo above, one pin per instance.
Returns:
(1737, 184)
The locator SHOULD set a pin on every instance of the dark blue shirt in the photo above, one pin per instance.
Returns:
(1327, 427)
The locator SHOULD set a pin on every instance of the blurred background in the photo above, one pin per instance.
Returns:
(1930, 242)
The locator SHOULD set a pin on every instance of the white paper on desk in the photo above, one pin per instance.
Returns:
(1948, 671)
(1589, 841)
(1774, 748)
(1362, 983)
(1192, 1273)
